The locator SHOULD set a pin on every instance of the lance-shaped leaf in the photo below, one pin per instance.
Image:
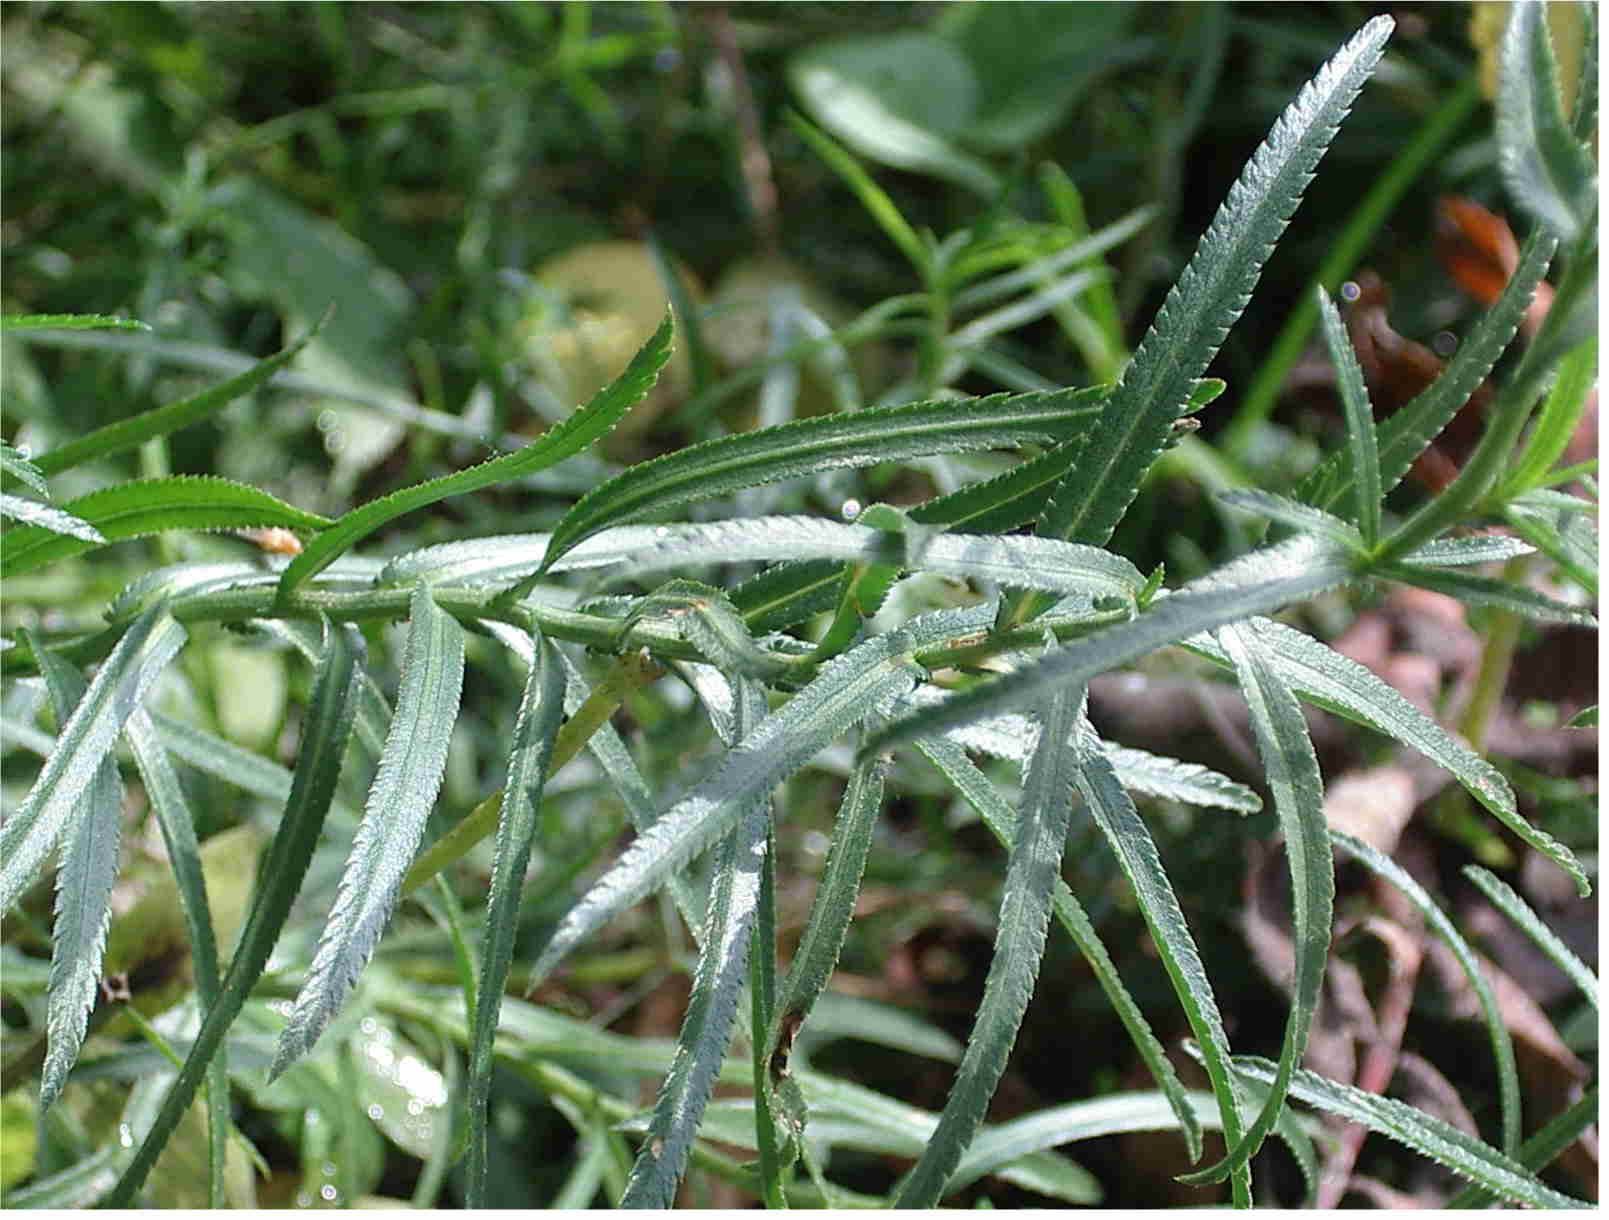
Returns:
(723, 967)
(1001, 819)
(541, 709)
(1560, 1131)
(1022, 562)
(1296, 515)
(1339, 684)
(130, 433)
(83, 895)
(82, 744)
(1254, 584)
(809, 446)
(1208, 298)
(593, 421)
(845, 691)
(411, 768)
(1432, 1137)
(325, 733)
(1293, 778)
(13, 465)
(1032, 871)
(150, 506)
(1508, 1080)
(1361, 442)
(1468, 552)
(832, 908)
(1137, 856)
(42, 516)
(1546, 169)
(68, 321)
(1511, 904)
(1484, 591)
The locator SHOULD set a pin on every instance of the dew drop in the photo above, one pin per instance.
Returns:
(369, 1025)
(1444, 344)
(303, 1199)
(851, 509)
(662, 531)
(1350, 291)
(125, 1136)
(25, 452)
(375, 1111)
(326, 420)
(334, 442)
(328, 1193)
(327, 1169)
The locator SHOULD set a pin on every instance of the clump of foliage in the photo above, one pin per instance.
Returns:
(909, 641)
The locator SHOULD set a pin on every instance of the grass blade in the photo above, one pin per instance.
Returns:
(1293, 777)
(1031, 873)
(411, 767)
(541, 709)
(608, 406)
(86, 740)
(128, 434)
(326, 731)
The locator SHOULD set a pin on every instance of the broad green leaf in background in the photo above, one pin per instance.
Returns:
(588, 424)
(83, 743)
(149, 506)
(400, 799)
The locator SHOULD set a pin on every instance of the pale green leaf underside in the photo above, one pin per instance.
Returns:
(410, 774)
(43, 516)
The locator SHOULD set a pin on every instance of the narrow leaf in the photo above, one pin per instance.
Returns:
(1546, 169)
(1293, 777)
(149, 506)
(707, 1025)
(44, 517)
(1001, 819)
(1031, 873)
(68, 321)
(1361, 442)
(1207, 299)
(411, 768)
(1254, 584)
(1440, 1141)
(1402, 437)
(1538, 1152)
(36, 826)
(1556, 423)
(1137, 856)
(593, 421)
(1296, 515)
(83, 896)
(14, 465)
(128, 434)
(846, 690)
(1508, 1080)
(1545, 939)
(1467, 552)
(809, 446)
(541, 709)
(1339, 684)
(1484, 591)
(325, 733)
